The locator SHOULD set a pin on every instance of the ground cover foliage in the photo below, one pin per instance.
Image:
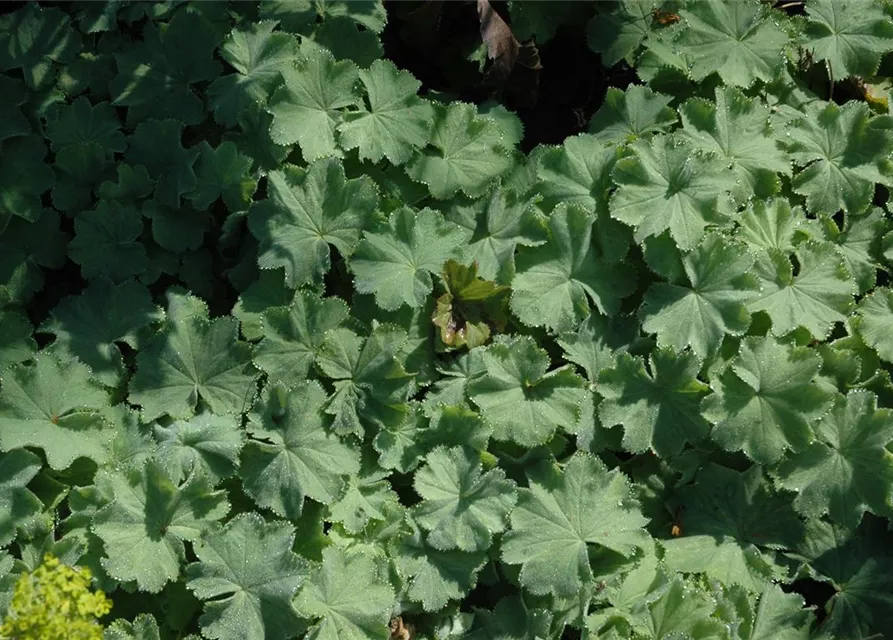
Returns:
(304, 334)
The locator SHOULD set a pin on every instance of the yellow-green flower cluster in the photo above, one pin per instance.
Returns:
(55, 602)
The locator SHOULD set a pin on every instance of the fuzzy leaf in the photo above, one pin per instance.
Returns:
(564, 512)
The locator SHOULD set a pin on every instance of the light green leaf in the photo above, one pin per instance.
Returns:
(564, 512)
(632, 114)
(191, 359)
(397, 121)
(347, 599)
(847, 470)
(54, 405)
(308, 108)
(711, 306)
(519, 399)
(292, 454)
(17, 503)
(763, 403)
(207, 445)
(850, 36)
(461, 507)
(258, 54)
(396, 262)
(554, 283)
(89, 326)
(433, 576)
(294, 335)
(498, 225)
(659, 409)
(856, 242)
(668, 184)
(369, 378)
(843, 152)
(303, 214)
(771, 225)
(740, 41)
(469, 153)
(875, 314)
(736, 128)
(817, 297)
(247, 575)
(143, 529)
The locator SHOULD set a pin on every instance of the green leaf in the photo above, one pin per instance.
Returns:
(772, 225)
(347, 599)
(12, 122)
(711, 306)
(291, 452)
(24, 177)
(683, 611)
(89, 325)
(659, 409)
(106, 242)
(18, 504)
(555, 282)
(724, 515)
(875, 313)
(632, 114)
(617, 33)
(33, 38)
(596, 343)
(268, 290)
(817, 297)
(859, 566)
(191, 359)
(433, 576)
(156, 77)
(258, 54)
(511, 619)
(247, 574)
(843, 151)
(16, 343)
(396, 262)
(397, 121)
(308, 108)
(143, 627)
(461, 507)
(347, 40)
(222, 173)
(519, 399)
(564, 512)
(367, 498)
(847, 470)
(856, 242)
(79, 169)
(368, 376)
(54, 405)
(498, 225)
(144, 528)
(736, 128)
(466, 153)
(740, 41)
(83, 123)
(156, 145)
(299, 17)
(303, 214)
(294, 335)
(668, 184)
(764, 401)
(206, 445)
(849, 37)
